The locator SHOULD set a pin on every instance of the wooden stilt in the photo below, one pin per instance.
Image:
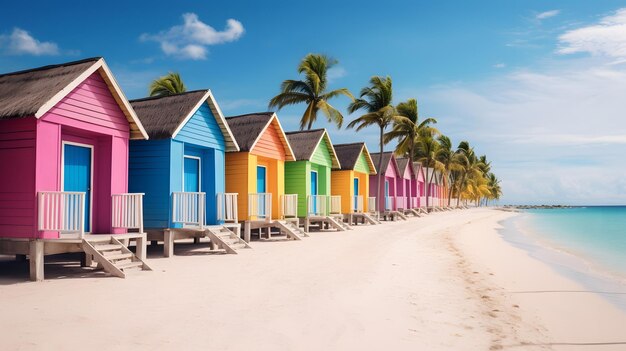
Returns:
(36, 257)
(168, 244)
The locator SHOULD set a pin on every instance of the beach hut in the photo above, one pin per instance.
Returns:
(420, 189)
(390, 204)
(407, 187)
(257, 173)
(309, 177)
(64, 135)
(181, 170)
(351, 182)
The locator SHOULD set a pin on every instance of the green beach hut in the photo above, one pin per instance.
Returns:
(309, 175)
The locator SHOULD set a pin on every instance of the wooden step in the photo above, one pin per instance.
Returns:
(119, 256)
(128, 265)
(107, 247)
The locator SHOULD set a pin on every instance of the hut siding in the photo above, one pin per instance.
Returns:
(322, 155)
(149, 173)
(298, 181)
(389, 175)
(17, 181)
(90, 106)
(362, 165)
(269, 144)
(202, 129)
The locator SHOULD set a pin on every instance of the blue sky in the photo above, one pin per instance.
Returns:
(538, 86)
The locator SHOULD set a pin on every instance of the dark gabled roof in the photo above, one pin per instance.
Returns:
(23, 93)
(387, 156)
(161, 115)
(247, 128)
(417, 169)
(303, 143)
(348, 154)
(403, 163)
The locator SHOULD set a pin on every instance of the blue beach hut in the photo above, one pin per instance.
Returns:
(181, 168)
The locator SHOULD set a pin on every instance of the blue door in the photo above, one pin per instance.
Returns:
(261, 187)
(77, 174)
(387, 204)
(356, 192)
(191, 179)
(314, 189)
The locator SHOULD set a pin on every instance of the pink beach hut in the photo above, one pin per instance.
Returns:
(407, 187)
(390, 177)
(419, 190)
(64, 136)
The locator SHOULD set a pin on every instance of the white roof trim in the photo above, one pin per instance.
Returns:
(100, 64)
(208, 97)
(369, 158)
(326, 137)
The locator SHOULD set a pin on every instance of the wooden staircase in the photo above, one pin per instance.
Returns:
(370, 219)
(113, 256)
(337, 224)
(225, 239)
(291, 230)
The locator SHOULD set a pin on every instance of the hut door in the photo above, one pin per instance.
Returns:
(314, 189)
(77, 170)
(356, 193)
(191, 178)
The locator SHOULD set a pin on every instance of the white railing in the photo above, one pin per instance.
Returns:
(389, 201)
(289, 205)
(227, 210)
(357, 203)
(401, 203)
(260, 206)
(335, 204)
(62, 211)
(371, 204)
(127, 211)
(188, 208)
(414, 202)
(422, 202)
(317, 205)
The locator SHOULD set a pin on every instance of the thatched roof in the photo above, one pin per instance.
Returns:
(417, 169)
(248, 128)
(387, 157)
(403, 163)
(161, 115)
(164, 116)
(35, 91)
(23, 93)
(348, 155)
(304, 143)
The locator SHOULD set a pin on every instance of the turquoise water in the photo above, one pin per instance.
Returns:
(596, 233)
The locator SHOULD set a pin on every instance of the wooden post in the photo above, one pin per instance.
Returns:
(196, 240)
(36, 257)
(168, 243)
(140, 250)
(246, 231)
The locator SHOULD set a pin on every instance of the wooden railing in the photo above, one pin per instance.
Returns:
(414, 202)
(127, 211)
(335, 204)
(260, 206)
(317, 205)
(371, 204)
(422, 202)
(289, 205)
(62, 211)
(188, 208)
(227, 207)
(357, 203)
(401, 202)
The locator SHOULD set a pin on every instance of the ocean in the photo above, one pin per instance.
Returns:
(587, 244)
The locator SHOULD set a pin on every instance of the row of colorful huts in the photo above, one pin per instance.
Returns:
(79, 159)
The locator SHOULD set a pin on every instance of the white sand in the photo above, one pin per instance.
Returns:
(397, 286)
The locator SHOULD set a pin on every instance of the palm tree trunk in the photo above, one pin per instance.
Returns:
(380, 164)
(450, 195)
(427, 184)
(458, 195)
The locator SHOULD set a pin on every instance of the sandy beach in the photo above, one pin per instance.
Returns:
(447, 281)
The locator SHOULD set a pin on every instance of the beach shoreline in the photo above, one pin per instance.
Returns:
(447, 281)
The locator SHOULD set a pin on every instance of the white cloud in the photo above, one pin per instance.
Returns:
(606, 38)
(336, 73)
(20, 42)
(547, 14)
(555, 134)
(191, 39)
(499, 65)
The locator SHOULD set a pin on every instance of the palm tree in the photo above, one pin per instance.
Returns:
(427, 149)
(451, 160)
(376, 101)
(169, 84)
(406, 130)
(495, 191)
(312, 91)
